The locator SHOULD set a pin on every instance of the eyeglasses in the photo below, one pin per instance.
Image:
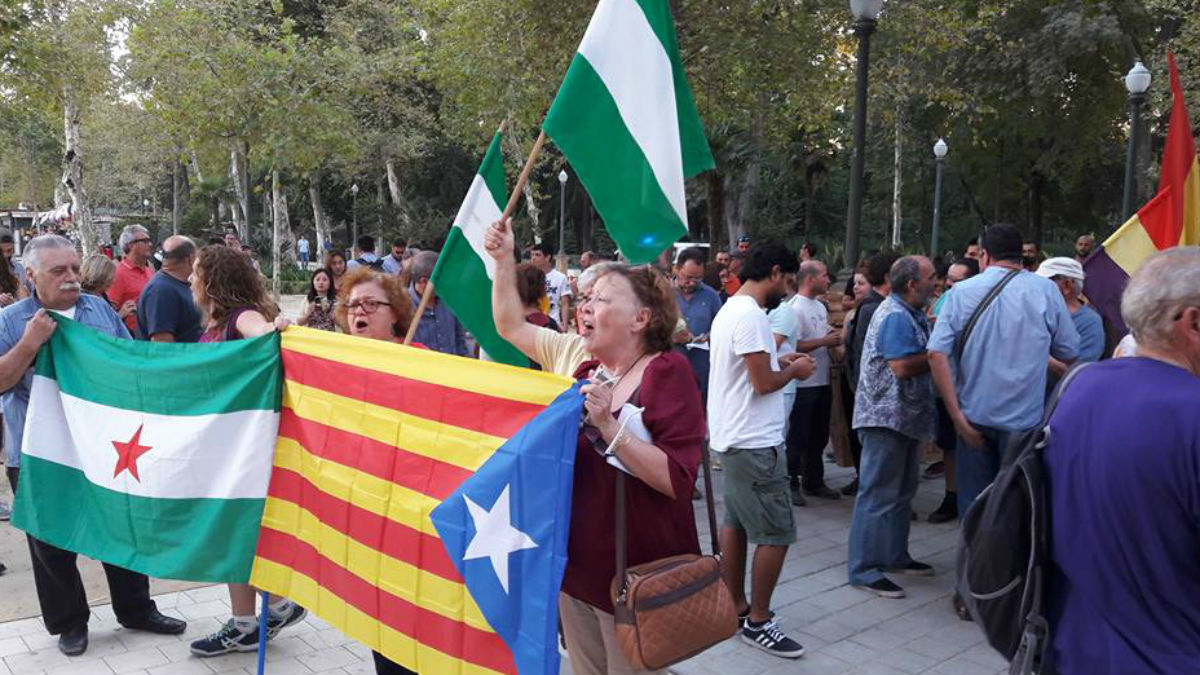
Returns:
(368, 305)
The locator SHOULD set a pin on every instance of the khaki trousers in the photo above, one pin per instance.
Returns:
(591, 640)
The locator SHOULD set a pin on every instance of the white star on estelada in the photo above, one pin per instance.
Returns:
(495, 537)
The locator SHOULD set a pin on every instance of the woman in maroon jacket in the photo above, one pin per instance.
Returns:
(631, 315)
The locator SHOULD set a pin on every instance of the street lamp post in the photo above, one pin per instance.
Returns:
(939, 152)
(865, 13)
(1137, 81)
(354, 214)
(562, 211)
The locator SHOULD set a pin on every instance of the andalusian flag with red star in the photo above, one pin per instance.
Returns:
(153, 457)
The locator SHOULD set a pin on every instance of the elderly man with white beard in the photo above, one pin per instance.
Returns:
(53, 265)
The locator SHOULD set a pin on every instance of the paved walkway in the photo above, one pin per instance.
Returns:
(844, 630)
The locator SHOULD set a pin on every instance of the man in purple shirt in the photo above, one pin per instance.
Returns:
(1123, 477)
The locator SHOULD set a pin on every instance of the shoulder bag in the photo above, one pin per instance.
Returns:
(670, 609)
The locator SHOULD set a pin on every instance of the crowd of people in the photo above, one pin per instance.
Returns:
(760, 358)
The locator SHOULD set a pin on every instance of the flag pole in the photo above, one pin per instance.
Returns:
(262, 632)
(513, 198)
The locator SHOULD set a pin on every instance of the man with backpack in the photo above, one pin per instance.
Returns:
(1123, 490)
(364, 251)
(893, 412)
(988, 353)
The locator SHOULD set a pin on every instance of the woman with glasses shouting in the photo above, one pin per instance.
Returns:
(373, 305)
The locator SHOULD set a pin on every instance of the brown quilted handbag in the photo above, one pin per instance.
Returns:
(670, 609)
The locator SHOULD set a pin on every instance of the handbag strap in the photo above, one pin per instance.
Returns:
(961, 344)
(622, 547)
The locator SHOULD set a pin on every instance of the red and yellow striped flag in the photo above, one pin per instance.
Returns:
(1171, 218)
(373, 437)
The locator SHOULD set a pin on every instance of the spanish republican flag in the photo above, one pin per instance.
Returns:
(420, 502)
(1171, 219)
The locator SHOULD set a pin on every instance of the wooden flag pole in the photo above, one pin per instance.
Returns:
(513, 199)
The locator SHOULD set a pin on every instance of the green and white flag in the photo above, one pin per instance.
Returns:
(154, 457)
(627, 123)
(464, 272)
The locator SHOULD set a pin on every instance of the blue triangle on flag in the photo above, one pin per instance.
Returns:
(511, 519)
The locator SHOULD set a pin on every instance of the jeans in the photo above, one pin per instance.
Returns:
(808, 434)
(976, 468)
(887, 482)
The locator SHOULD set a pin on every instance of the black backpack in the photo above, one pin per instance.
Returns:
(1003, 549)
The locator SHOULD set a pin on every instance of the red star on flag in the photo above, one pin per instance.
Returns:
(128, 453)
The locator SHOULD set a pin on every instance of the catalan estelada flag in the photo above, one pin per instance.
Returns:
(420, 502)
(1171, 219)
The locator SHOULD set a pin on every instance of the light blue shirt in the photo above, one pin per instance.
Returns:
(1002, 372)
(391, 265)
(367, 257)
(785, 322)
(1091, 334)
(89, 311)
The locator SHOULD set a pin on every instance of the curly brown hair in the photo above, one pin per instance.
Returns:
(227, 281)
(654, 292)
(393, 288)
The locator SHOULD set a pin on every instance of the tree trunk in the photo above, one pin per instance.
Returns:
(73, 173)
(195, 165)
(531, 208)
(398, 200)
(176, 203)
(276, 227)
(716, 210)
(240, 173)
(1035, 207)
(898, 181)
(314, 196)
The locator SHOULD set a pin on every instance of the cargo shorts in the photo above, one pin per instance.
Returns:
(757, 500)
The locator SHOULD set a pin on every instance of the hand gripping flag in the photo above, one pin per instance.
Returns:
(464, 271)
(163, 449)
(627, 123)
(1171, 219)
(420, 502)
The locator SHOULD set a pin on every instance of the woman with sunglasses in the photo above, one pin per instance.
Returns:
(231, 293)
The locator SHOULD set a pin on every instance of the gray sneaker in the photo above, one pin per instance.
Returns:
(5, 511)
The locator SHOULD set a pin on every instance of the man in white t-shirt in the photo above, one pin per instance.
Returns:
(785, 325)
(745, 423)
(558, 287)
(808, 428)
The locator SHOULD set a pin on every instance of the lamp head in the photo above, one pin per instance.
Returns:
(866, 9)
(1137, 81)
(562, 177)
(940, 149)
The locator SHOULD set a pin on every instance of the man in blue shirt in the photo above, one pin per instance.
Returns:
(997, 384)
(53, 266)
(1123, 491)
(698, 305)
(166, 310)
(1068, 275)
(439, 329)
(893, 413)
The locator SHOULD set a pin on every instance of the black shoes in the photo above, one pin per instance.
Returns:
(797, 498)
(157, 622)
(767, 637)
(823, 492)
(884, 588)
(74, 642)
(947, 511)
(915, 569)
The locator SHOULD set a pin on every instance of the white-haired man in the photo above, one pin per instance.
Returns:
(53, 265)
(1124, 490)
(1067, 274)
(133, 272)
